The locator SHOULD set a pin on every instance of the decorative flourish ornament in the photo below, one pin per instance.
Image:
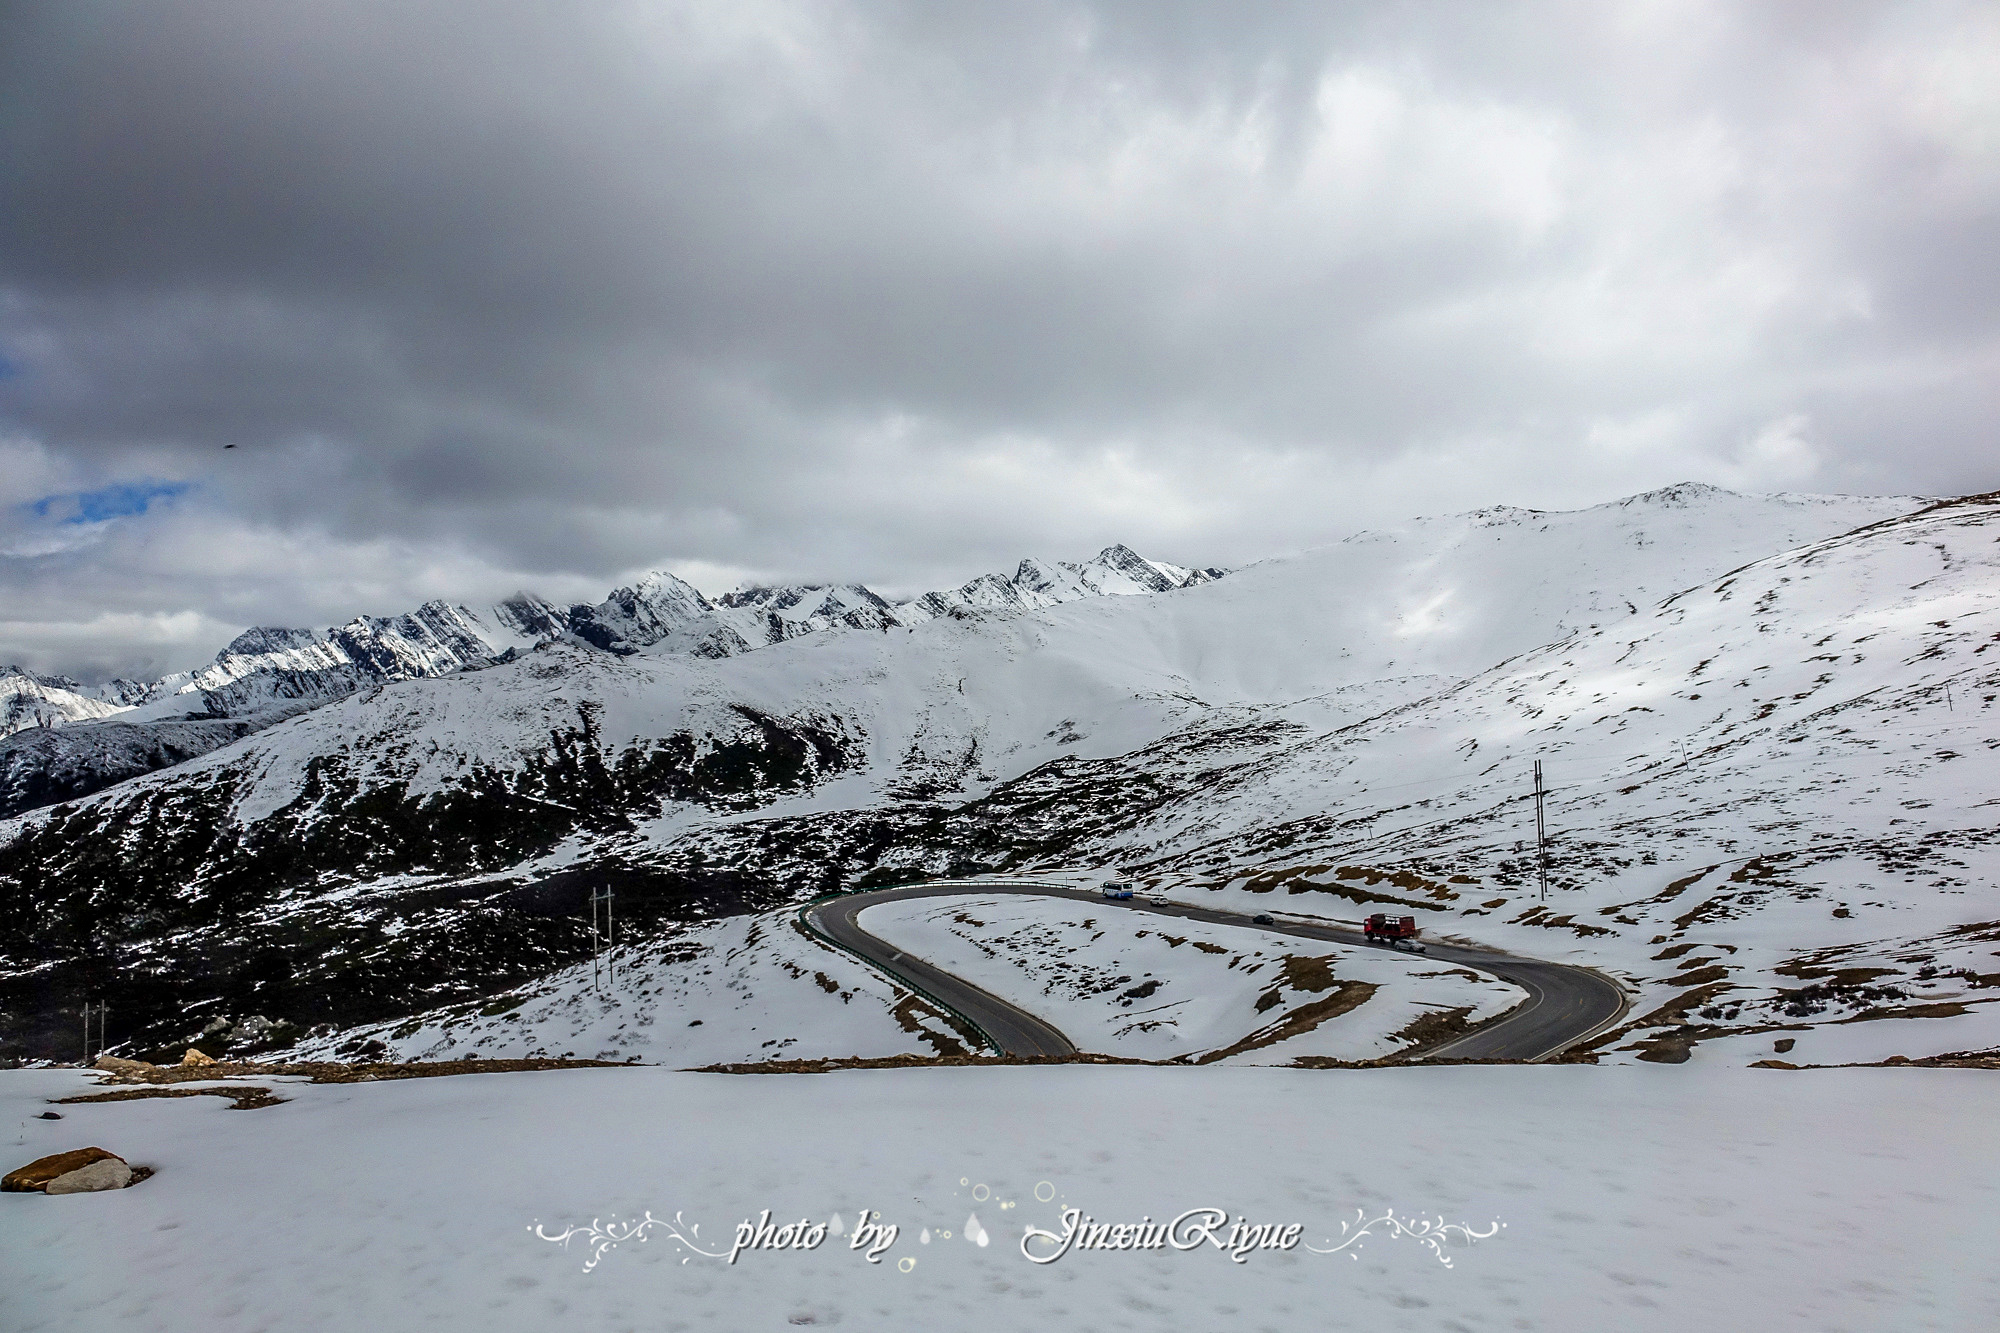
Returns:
(602, 1237)
(1432, 1233)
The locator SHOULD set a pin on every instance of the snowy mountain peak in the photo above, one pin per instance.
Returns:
(268, 639)
(1115, 571)
(762, 616)
(658, 607)
(1680, 494)
(531, 617)
(799, 600)
(28, 700)
(53, 682)
(668, 594)
(1120, 570)
(1501, 515)
(269, 673)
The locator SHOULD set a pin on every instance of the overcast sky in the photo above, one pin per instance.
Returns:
(519, 295)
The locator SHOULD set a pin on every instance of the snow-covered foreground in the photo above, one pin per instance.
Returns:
(1631, 1198)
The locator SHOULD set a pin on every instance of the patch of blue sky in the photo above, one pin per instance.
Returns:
(122, 500)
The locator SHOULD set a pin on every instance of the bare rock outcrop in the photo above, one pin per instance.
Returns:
(83, 1171)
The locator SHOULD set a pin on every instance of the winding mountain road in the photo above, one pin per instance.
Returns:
(1565, 1003)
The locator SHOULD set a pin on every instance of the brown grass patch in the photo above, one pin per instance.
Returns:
(1944, 1009)
(906, 1013)
(828, 1066)
(1431, 1028)
(1671, 1047)
(1842, 976)
(331, 1072)
(1714, 907)
(243, 1098)
(1308, 974)
(1347, 995)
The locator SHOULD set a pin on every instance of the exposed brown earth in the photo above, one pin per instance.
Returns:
(1347, 996)
(244, 1098)
(1434, 1027)
(827, 1066)
(137, 1071)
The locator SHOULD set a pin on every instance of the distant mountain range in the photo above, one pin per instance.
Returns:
(265, 675)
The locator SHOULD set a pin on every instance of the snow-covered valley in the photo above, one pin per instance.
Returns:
(1766, 726)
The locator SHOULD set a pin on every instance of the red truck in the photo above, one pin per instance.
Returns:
(1398, 932)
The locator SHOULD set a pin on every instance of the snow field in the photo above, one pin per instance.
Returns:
(1632, 1198)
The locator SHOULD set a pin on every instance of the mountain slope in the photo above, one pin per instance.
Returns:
(1784, 776)
(370, 834)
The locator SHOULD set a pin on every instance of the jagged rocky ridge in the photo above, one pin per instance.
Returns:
(124, 728)
(28, 700)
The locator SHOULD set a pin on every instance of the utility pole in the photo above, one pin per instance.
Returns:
(102, 1010)
(1541, 834)
(1949, 707)
(600, 944)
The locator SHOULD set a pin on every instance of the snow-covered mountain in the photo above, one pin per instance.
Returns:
(432, 826)
(268, 674)
(761, 616)
(28, 700)
(1117, 571)
(1771, 799)
(764, 616)
(1772, 796)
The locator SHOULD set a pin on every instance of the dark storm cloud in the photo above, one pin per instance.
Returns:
(527, 293)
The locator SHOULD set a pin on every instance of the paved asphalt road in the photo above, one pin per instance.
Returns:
(1565, 1004)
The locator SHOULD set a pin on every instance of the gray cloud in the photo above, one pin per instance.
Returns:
(534, 294)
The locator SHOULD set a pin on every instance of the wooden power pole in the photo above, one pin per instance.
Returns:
(600, 944)
(1541, 832)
